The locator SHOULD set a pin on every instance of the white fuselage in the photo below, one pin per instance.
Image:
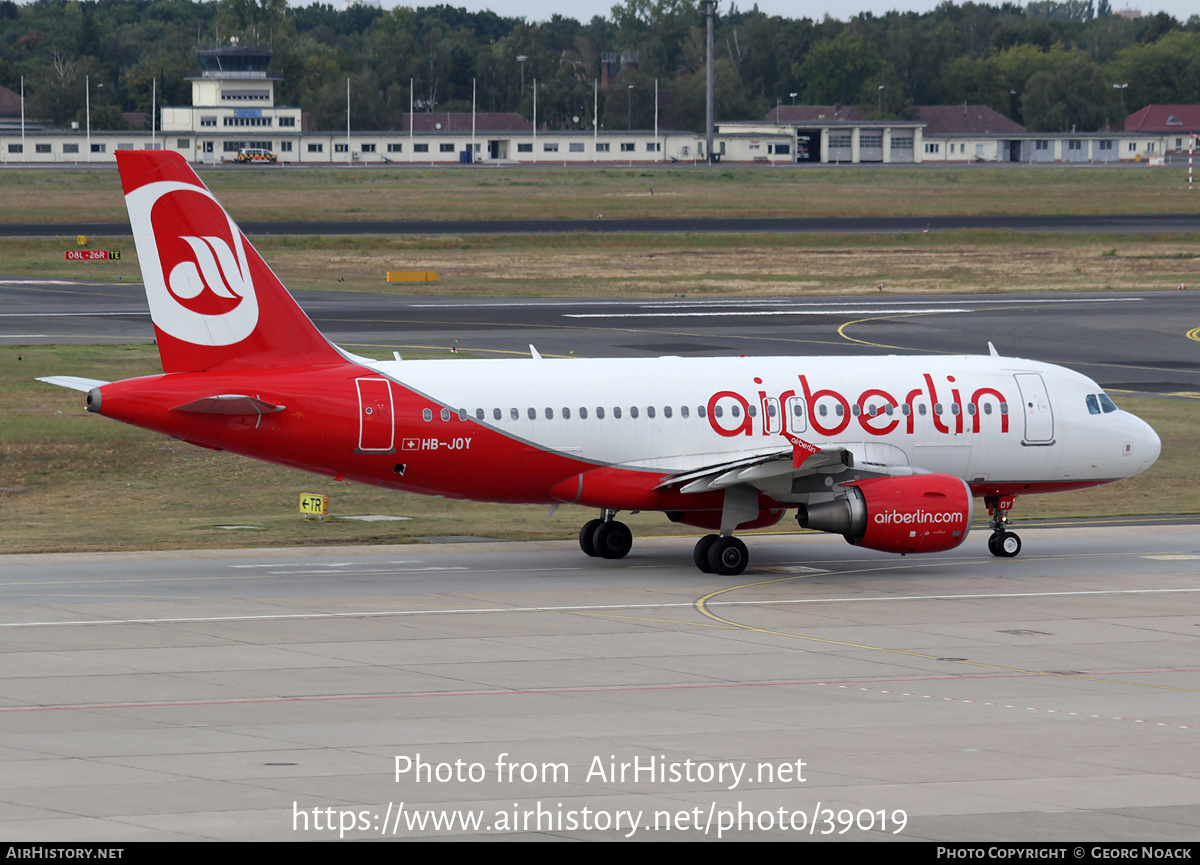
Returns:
(985, 419)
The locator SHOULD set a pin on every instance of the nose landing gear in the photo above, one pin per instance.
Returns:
(1002, 542)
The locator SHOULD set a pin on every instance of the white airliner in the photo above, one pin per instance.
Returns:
(887, 451)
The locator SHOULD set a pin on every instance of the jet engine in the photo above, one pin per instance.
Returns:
(914, 514)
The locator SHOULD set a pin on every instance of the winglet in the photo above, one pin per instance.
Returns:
(801, 450)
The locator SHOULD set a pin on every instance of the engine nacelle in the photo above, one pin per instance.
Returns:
(915, 514)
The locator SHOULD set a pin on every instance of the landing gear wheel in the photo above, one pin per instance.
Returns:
(728, 556)
(586, 535)
(612, 540)
(1004, 544)
(700, 553)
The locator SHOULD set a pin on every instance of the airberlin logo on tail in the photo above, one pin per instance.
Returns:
(211, 282)
(194, 262)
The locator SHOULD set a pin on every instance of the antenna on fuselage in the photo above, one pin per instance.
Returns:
(534, 352)
(992, 349)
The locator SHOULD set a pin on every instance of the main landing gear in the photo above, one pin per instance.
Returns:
(607, 538)
(721, 554)
(1002, 543)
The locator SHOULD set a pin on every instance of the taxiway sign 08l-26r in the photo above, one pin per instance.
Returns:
(888, 451)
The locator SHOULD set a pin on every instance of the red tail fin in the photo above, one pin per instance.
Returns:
(212, 298)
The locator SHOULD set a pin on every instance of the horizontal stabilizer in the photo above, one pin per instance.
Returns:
(74, 382)
(231, 404)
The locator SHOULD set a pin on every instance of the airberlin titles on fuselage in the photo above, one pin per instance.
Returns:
(874, 409)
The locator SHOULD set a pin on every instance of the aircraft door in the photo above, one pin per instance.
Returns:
(376, 428)
(773, 421)
(795, 418)
(1039, 416)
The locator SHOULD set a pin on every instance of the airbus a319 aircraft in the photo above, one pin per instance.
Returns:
(888, 451)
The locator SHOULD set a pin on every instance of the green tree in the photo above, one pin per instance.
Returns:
(840, 69)
(1069, 96)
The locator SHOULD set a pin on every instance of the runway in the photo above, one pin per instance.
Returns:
(1124, 340)
(827, 693)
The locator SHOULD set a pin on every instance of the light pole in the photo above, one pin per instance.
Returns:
(1121, 88)
(793, 95)
(521, 58)
(629, 107)
(880, 106)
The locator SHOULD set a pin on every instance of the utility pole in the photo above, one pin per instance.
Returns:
(710, 10)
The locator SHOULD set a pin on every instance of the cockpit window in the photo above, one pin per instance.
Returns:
(1093, 404)
(1107, 404)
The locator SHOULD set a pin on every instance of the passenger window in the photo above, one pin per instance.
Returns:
(427, 415)
(566, 413)
(515, 414)
(496, 415)
(462, 414)
(701, 411)
(617, 412)
(633, 412)
(649, 411)
(532, 413)
(683, 410)
(1093, 404)
(666, 411)
(735, 410)
(549, 413)
(445, 414)
(478, 414)
(600, 412)
(582, 413)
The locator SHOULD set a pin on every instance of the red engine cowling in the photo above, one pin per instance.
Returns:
(915, 514)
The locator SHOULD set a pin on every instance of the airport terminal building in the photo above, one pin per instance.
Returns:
(234, 109)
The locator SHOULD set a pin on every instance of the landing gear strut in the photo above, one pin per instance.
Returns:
(606, 538)
(1002, 543)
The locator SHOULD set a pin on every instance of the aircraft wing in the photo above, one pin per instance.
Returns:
(799, 460)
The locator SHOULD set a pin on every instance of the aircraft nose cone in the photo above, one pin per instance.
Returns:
(1151, 446)
(1146, 445)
